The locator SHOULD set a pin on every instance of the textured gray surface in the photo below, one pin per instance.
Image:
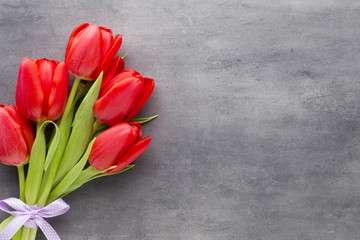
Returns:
(259, 127)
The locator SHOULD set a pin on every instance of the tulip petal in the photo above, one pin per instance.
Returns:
(107, 41)
(121, 65)
(29, 94)
(84, 55)
(73, 34)
(127, 73)
(110, 55)
(115, 104)
(149, 85)
(13, 147)
(46, 70)
(106, 29)
(136, 124)
(26, 125)
(134, 152)
(58, 93)
(111, 71)
(140, 136)
(111, 145)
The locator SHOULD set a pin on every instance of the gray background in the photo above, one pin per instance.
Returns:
(259, 127)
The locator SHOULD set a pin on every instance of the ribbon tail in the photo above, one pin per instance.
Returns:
(14, 226)
(47, 229)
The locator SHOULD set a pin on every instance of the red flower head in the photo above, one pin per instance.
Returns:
(42, 88)
(16, 136)
(122, 97)
(118, 146)
(90, 50)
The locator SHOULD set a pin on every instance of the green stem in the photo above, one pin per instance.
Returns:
(32, 234)
(97, 124)
(38, 125)
(124, 56)
(25, 233)
(21, 182)
(71, 98)
(21, 174)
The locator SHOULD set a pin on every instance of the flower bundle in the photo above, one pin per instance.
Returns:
(93, 133)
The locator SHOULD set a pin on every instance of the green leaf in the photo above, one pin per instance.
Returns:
(82, 178)
(64, 130)
(36, 165)
(53, 147)
(81, 133)
(85, 176)
(128, 167)
(103, 174)
(90, 174)
(143, 120)
(71, 176)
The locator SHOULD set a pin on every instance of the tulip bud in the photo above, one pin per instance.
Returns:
(42, 88)
(91, 50)
(118, 146)
(16, 136)
(122, 97)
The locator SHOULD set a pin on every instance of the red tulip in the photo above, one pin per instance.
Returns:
(118, 146)
(122, 97)
(42, 88)
(16, 136)
(91, 50)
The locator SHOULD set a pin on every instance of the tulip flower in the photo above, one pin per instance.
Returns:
(91, 50)
(122, 97)
(42, 89)
(118, 146)
(16, 136)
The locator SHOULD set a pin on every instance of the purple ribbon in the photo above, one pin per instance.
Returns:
(31, 216)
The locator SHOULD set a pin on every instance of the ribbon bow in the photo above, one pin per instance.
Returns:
(31, 216)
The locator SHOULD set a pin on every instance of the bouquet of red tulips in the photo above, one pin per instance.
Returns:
(93, 123)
